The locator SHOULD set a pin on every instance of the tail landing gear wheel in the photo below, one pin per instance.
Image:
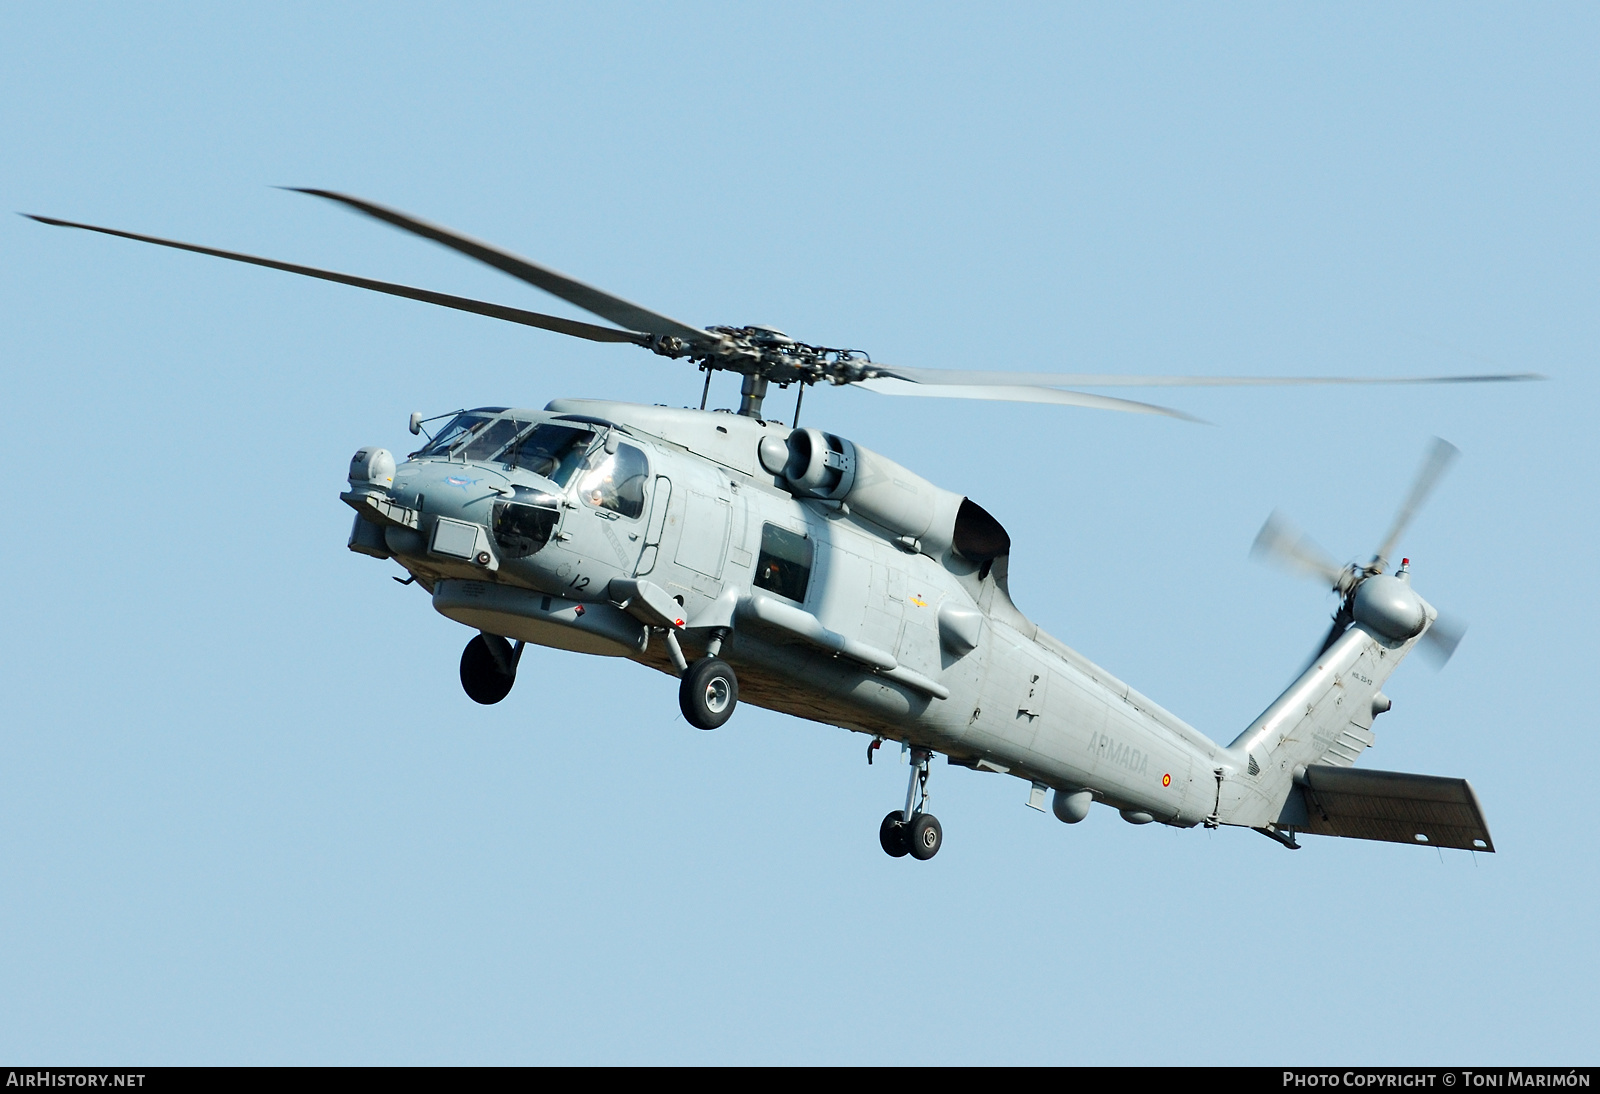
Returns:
(892, 835)
(924, 836)
(708, 693)
(488, 669)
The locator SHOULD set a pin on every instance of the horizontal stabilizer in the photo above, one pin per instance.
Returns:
(1387, 805)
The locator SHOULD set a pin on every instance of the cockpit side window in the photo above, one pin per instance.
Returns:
(616, 480)
(784, 565)
(554, 451)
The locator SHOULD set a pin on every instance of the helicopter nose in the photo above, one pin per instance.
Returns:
(372, 474)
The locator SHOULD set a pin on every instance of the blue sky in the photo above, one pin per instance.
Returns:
(246, 814)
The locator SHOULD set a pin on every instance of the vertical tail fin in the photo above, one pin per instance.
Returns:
(1325, 717)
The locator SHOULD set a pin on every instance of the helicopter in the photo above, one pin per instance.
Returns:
(796, 570)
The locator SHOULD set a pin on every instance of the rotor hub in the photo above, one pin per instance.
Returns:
(768, 354)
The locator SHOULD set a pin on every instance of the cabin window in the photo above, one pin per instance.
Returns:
(616, 480)
(784, 566)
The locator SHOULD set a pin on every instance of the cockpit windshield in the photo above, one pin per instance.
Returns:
(554, 451)
(488, 440)
(463, 424)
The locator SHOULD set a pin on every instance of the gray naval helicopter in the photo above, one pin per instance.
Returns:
(802, 572)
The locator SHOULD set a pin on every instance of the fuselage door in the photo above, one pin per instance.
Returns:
(703, 541)
(658, 521)
(610, 492)
(918, 648)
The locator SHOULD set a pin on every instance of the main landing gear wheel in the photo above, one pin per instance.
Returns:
(924, 836)
(708, 693)
(489, 668)
(892, 835)
(911, 831)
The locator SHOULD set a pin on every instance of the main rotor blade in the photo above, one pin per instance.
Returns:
(1053, 379)
(1438, 459)
(573, 291)
(555, 323)
(1281, 542)
(886, 385)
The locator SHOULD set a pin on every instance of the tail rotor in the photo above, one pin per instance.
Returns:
(1282, 543)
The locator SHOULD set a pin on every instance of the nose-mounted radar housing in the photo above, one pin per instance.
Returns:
(372, 469)
(371, 481)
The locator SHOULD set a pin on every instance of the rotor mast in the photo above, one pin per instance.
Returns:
(751, 392)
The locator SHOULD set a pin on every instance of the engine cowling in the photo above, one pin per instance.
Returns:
(820, 465)
(926, 517)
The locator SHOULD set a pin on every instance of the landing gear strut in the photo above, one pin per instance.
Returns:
(489, 668)
(913, 831)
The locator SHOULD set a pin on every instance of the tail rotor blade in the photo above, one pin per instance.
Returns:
(1441, 454)
(1439, 641)
(1279, 541)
